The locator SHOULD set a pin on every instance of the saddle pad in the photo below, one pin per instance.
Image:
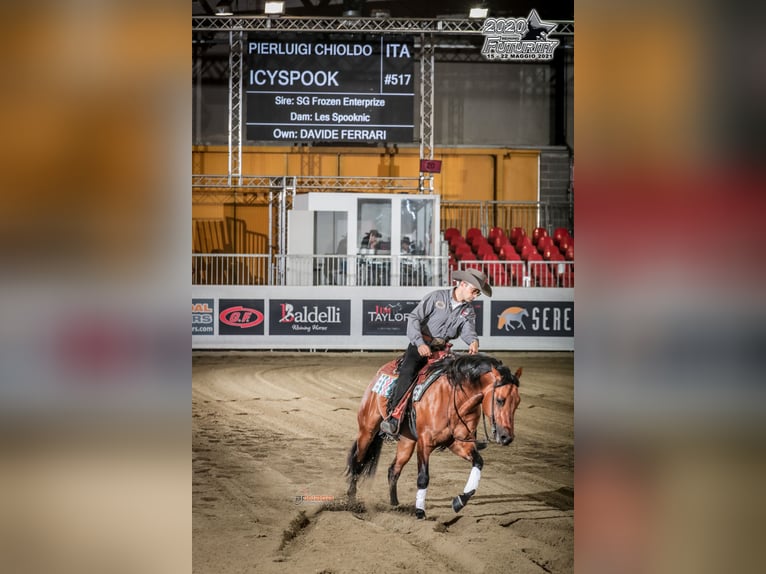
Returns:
(421, 388)
(383, 385)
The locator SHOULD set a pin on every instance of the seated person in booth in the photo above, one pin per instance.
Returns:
(371, 240)
(440, 316)
(405, 248)
(374, 270)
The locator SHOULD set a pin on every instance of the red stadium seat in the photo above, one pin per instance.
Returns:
(516, 234)
(464, 252)
(499, 241)
(552, 254)
(527, 251)
(508, 253)
(456, 242)
(523, 242)
(494, 233)
(544, 242)
(565, 243)
(479, 242)
(559, 233)
(451, 232)
(555, 255)
(538, 233)
(485, 250)
(472, 234)
(569, 255)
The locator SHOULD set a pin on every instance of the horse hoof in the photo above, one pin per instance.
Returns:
(461, 500)
(420, 514)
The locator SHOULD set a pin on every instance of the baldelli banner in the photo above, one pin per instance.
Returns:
(309, 317)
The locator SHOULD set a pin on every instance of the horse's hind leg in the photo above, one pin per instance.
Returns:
(404, 449)
(362, 458)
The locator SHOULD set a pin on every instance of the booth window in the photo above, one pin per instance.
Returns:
(374, 225)
(416, 225)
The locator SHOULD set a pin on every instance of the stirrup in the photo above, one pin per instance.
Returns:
(390, 426)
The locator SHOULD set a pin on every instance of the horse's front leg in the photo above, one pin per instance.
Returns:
(404, 449)
(424, 453)
(468, 451)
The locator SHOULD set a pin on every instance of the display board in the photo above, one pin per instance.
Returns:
(319, 88)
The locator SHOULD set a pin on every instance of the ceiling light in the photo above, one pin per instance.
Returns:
(274, 8)
(224, 9)
(478, 13)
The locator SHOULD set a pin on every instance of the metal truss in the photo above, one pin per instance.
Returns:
(426, 107)
(236, 71)
(256, 190)
(444, 26)
(362, 184)
(426, 98)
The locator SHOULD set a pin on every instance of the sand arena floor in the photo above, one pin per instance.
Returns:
(271, 432)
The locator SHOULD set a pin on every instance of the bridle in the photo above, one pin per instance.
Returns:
(501, 383)
(511, 380)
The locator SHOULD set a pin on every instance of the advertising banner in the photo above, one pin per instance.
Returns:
(203, 319)
(532, 319)
(241, 317)
(386, 316)
(478, 307)
(309, 317)
(389, 316)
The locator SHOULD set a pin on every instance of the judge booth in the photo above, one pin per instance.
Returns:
(364, 240)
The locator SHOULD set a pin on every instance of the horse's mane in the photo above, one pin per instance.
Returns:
(461, 369)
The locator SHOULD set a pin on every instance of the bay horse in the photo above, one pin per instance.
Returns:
(445, 416)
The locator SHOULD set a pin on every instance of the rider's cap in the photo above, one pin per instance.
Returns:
(475, 278)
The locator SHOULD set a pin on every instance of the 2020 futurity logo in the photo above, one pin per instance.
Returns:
(518, 39)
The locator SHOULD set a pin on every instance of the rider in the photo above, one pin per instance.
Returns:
(440, 316)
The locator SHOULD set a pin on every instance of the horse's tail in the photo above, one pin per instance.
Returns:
(370, 461)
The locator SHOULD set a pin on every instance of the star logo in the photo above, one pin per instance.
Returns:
(537, 28)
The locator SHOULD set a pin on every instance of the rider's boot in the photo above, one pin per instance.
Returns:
(390, 426)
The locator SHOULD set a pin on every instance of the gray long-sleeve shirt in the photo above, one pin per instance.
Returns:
(435, 317)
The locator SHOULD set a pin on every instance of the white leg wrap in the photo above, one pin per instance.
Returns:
(420, 499)
(473, 480)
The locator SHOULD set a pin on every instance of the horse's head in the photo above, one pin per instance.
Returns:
(501, 400)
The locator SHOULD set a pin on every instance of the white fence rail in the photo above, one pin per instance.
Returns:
(525, 274)
(368, 270)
